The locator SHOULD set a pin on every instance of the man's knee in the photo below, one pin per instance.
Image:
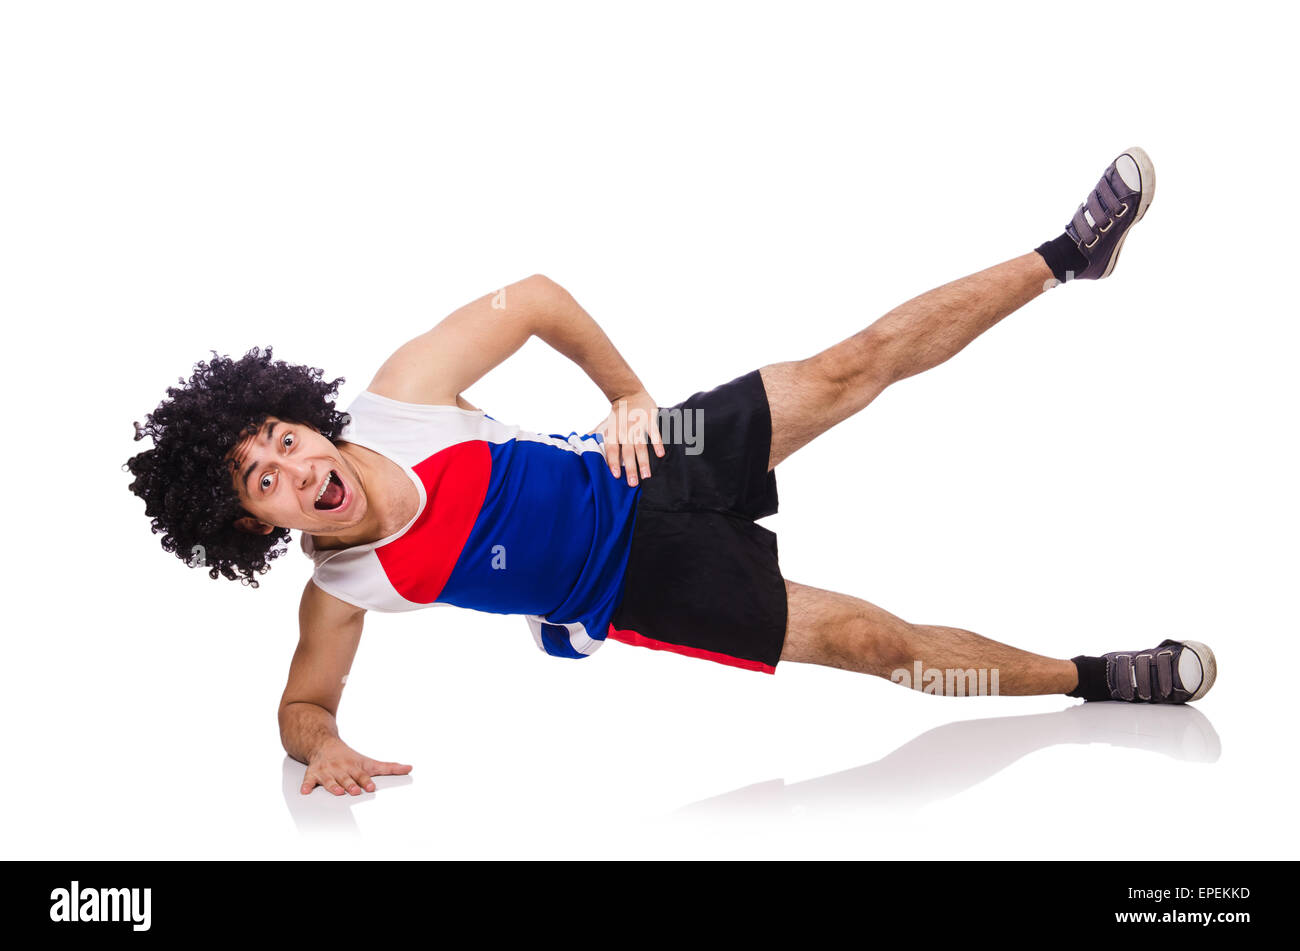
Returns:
(840, 631)
(881, 647)
(854, 373)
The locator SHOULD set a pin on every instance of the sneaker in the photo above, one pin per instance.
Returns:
(1173, 672)
(1107, 215)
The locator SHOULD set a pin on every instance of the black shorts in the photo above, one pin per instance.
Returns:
(702, 578)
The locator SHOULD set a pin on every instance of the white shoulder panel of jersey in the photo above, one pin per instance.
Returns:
(355, 575)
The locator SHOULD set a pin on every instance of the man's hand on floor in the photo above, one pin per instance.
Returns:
(631, 419)
(339, 768)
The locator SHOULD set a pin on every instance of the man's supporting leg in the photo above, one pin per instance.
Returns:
(808, 397)
(837, 630)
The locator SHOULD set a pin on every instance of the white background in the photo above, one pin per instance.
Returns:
(721, 186)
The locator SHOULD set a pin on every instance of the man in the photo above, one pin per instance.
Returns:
(416, 498)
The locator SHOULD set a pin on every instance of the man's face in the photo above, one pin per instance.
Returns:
(288, 475)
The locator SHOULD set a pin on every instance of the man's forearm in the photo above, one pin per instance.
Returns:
(304, 728)
(570, 330)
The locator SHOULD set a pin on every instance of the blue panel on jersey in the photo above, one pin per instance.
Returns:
(551, 539)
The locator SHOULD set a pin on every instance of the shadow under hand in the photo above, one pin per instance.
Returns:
(321, 811)
(949, 759)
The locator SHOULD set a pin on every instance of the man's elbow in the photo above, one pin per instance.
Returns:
(541, 284)
(545, 291)
(542, 298)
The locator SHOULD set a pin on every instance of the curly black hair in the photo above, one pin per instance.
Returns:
(185, 479)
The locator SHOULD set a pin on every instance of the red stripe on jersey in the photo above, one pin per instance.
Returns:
(640, 640)
(455, 483)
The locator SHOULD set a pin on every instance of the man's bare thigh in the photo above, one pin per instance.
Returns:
(805, 399)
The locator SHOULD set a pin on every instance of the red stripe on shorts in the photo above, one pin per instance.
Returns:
(640, 640)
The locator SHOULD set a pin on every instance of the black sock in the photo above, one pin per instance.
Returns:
(1063, 257)
(1092, 678)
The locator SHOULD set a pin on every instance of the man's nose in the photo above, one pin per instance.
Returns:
(301, 473)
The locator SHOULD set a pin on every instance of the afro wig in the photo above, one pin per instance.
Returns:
(185, 478)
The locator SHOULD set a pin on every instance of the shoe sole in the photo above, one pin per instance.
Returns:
(1209, 669)
(1147, 171)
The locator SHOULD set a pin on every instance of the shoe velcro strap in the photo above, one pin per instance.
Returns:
(1165, 671)
(1154, 674)
(1099, 214)
(1122, 676)
(1109, 198)
(1083, 232)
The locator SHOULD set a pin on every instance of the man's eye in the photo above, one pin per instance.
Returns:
(266, 482)
(288, 440)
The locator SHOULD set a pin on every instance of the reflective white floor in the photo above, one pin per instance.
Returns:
(919, 799)
(646, 755)
(721, 186)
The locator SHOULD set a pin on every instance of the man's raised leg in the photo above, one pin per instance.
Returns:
(808, 397)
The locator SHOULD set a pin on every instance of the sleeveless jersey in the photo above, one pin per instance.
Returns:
(510, 522)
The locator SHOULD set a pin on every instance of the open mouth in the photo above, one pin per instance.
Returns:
(331, 494)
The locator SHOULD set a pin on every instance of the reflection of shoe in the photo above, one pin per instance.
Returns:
(1106, 216)
(1173, 672)
(1183, 734)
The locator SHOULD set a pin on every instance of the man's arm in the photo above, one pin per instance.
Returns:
(440, 363)
(437, 365)
(330, 630)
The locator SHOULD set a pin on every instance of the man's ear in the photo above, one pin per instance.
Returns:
(253, 526)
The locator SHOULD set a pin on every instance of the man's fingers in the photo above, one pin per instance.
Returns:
(643, 459)
(612, 455)
(629, 461)
(313, 779)
(656, 439)
(354, 781)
